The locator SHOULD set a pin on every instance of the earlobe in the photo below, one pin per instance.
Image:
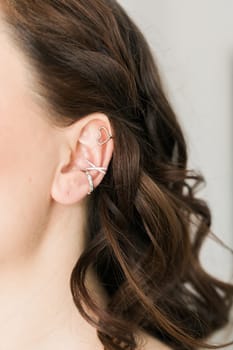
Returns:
(69, 186)
(88, 163)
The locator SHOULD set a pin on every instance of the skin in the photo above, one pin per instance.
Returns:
(43, 206)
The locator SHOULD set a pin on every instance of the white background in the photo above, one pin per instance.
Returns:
(192, 41)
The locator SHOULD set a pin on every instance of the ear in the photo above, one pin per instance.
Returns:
(89, 139)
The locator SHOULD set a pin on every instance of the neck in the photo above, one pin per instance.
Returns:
(35, 300)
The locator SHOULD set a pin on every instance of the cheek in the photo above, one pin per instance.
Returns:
(27, 155)
(25, 175)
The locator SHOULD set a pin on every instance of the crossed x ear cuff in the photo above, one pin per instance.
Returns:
(93, 166)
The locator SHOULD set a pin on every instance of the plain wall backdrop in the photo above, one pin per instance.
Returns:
(192, 41)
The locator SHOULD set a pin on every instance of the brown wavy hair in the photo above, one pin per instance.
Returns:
(146, 224)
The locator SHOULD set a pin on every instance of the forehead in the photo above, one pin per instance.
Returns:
(14, 67)
(15, 76)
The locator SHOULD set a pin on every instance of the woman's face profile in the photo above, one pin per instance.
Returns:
(125, 258)
(27, 156)
(39, 241)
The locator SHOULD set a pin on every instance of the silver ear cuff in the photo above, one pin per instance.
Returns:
(93, 166)
(98, 168)
(109, 136)
(89, 177)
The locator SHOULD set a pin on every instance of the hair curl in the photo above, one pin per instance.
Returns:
(145, 224)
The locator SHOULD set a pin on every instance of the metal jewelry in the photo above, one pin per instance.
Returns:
(100, 134)
(89, 177)
(93, 166)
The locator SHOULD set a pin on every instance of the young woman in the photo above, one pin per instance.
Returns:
(100, 226)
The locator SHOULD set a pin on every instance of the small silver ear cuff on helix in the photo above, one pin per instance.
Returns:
(100, 134)
(93, 166)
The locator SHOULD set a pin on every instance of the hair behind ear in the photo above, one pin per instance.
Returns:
(88, 57)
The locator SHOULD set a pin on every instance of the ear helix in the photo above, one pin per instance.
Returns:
(93, 166)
